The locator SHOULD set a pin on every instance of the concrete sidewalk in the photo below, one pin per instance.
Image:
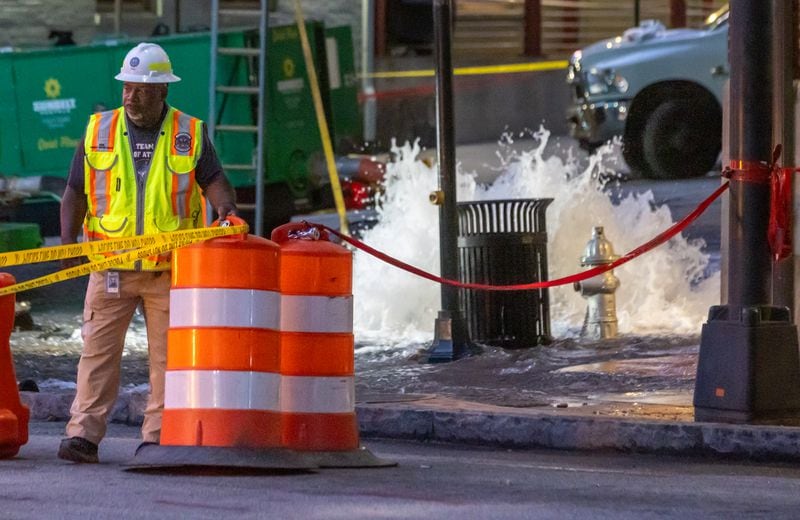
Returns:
(603, 425)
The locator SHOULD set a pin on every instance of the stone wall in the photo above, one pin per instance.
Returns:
(27, 23)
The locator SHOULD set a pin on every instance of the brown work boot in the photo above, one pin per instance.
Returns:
(78, 449)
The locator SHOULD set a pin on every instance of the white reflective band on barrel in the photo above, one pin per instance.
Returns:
(249, 308)
(316, 313)
(307, 394)
(222, 389)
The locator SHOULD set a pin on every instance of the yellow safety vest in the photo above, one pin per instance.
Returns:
(117, 206)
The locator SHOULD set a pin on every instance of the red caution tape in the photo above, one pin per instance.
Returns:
(779, 229)
(644, 248)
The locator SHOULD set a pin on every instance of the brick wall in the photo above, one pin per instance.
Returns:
(27, 23)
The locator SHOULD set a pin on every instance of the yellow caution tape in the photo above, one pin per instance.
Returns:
(147, 245)
(322, 122)
(473, 71)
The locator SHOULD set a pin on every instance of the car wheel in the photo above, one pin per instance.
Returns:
(681, 138)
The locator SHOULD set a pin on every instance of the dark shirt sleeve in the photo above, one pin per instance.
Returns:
(76, 179)
(208, 166)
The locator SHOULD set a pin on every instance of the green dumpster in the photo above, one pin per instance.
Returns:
(47, 95)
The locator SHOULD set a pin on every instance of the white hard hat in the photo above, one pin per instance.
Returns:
(147, 63)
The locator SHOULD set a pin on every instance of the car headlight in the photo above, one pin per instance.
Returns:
(574, 69)
(605, 81)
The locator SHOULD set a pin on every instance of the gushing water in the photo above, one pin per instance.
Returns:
(662, 292)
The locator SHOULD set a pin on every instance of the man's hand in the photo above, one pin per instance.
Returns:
(73, 211)
(225, 209)
(222, 197)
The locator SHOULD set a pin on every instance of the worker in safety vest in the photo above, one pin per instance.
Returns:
(141, 169)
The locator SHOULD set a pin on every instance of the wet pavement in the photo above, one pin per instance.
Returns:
(651, 368)
(632, 393)
(659, 369)
(565, 371)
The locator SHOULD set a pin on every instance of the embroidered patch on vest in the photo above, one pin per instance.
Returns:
(183, 142)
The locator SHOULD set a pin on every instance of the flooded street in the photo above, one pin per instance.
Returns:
(566, 371)
(661, 303)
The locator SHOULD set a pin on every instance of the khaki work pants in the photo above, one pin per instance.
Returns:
(106, 317)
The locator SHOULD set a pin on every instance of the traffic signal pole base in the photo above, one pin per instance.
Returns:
(748, 368)
(449, 339)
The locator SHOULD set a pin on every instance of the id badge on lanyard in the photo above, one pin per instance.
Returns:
(112, 283)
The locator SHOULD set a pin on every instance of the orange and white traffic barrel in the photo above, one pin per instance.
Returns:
(14, 416)
(260, 358)
(317, 395)
(222, 378)
(221, 405)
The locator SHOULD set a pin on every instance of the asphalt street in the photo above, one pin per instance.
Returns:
(431, 480)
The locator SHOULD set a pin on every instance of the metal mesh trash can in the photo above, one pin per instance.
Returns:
(504, 242)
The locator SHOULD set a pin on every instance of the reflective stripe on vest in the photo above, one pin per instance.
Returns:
(183, 125)
(103, 136)
(105, 129)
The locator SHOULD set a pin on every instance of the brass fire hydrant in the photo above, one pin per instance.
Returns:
(601, 310)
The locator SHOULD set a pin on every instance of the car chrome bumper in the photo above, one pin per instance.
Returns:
(592, 124)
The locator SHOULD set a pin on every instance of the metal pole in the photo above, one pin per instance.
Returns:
(533, 27)
(261, 143)
(211, 121)
(677, 13)
(637, 12)
(751, 100)
(450, 338)
(367, 68)
(117, 17)
(748, 367)
(445, 147)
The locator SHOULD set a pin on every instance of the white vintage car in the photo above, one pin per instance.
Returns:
(659, 89)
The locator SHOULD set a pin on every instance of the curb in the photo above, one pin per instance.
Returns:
(441, 419)
(552, 431)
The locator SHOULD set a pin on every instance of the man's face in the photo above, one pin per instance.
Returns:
(143, 102)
